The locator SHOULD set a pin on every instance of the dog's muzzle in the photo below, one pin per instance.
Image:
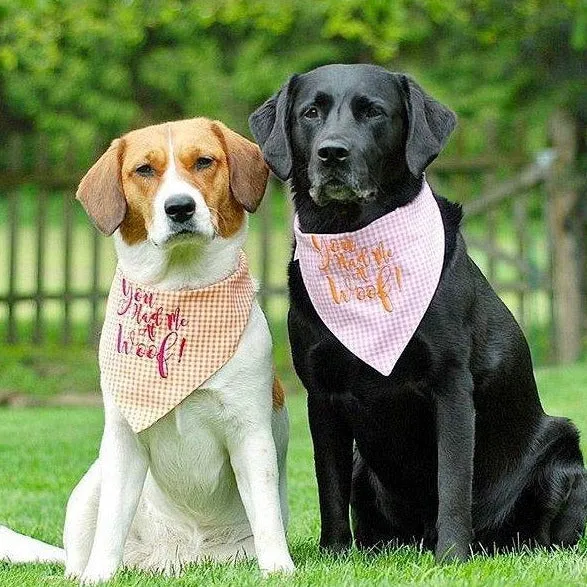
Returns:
(325, 191)
(332, 191)
(333, 176)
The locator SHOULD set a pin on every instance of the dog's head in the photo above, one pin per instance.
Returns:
(175, 182)
(348, 133)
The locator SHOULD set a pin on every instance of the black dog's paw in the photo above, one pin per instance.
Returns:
(452, 552)
(336, 545)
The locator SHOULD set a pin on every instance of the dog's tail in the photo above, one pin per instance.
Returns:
(17, 548)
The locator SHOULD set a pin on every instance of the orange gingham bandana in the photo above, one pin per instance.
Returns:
(157, 347)
(372, 287)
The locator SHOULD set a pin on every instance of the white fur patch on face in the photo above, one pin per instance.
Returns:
(163, 229)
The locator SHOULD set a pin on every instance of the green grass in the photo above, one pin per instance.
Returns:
(44, 451)
(43, 372)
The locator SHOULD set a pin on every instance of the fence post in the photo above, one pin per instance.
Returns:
(41, 166)
(15, 164)
(563, 201)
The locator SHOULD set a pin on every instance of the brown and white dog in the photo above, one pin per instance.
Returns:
(206, 481)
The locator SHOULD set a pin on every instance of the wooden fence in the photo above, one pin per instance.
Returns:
(55, 269)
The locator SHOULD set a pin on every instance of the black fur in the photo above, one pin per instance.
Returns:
(453, 449)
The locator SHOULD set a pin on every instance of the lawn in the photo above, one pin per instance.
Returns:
(44, 451)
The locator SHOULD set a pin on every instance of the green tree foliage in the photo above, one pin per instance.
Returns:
(85, 71)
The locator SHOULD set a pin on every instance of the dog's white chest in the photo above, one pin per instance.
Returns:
(189, 461)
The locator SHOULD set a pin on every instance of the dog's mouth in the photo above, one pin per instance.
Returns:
(335, 190)
(184, 236)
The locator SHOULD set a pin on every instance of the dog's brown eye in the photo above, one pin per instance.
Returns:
(374, 112)
(311, 112)
(145, 170)
(204, 162)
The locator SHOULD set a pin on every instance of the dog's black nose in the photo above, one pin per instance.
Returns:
(333, 152)
(180, 208)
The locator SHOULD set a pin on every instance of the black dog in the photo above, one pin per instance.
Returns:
(453, 449)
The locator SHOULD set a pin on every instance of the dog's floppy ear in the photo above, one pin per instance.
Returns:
(429, 126)
(269, 125)
(100, 191)
(248, 172)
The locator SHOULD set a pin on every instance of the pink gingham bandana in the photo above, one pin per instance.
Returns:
(372, 287)
(157, 347)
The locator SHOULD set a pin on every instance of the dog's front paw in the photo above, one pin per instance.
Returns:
(73, 574)
(336, 548)
(94, 575)
(336, 544)
(452, 552)
(276, 564)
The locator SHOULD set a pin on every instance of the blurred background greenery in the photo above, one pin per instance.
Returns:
(86, 71)
(75, 74)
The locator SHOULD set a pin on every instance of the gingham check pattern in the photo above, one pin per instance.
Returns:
(216, 317)
(414, 235)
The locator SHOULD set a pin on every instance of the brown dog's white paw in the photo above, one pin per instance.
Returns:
(277, 564)
(96, 576)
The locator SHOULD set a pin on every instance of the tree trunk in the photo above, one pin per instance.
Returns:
(563, 213)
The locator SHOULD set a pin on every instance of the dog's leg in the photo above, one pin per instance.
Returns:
(254, 461)
(569, 525)
(333, 459)
(123, 465)
(455, 425)
(280, 427)
(80, 522)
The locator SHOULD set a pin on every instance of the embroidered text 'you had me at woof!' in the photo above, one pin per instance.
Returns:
(372, 287)
(158, 346)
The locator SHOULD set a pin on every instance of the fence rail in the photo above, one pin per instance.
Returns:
(55, 269)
